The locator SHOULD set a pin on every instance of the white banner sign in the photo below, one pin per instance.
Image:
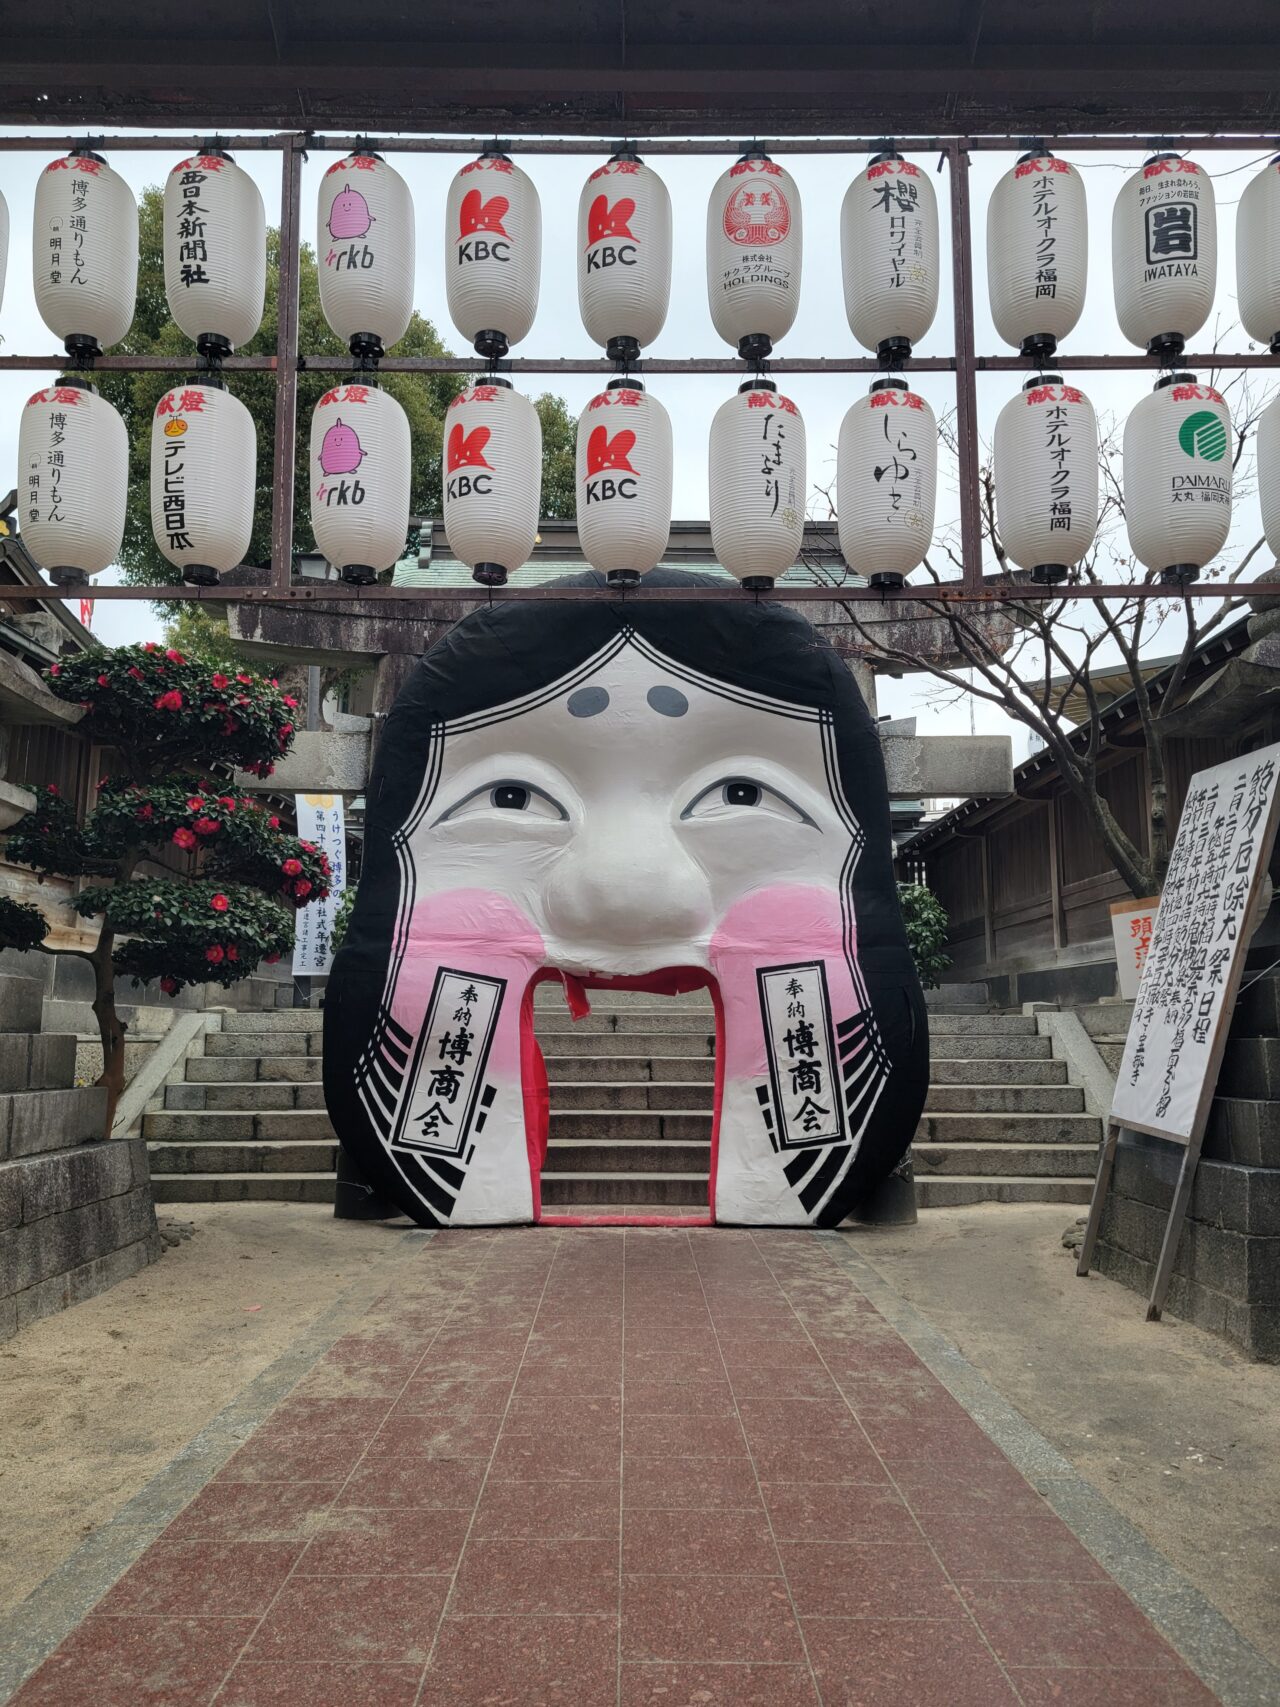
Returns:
(1132, 923)
(321, 821)
(1198, 942)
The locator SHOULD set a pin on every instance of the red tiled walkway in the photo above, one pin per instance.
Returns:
(629, 1468)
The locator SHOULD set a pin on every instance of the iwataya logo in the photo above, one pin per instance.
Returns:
(1203, 435)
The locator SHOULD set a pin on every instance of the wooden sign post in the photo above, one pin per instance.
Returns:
(1182, 1012)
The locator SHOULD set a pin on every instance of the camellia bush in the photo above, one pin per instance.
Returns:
(171, 720)
(926, 920)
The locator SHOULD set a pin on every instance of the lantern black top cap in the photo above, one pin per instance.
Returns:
(1041, 379)
(213, 148)
(1173, 379)
(364, 150)
(624, 151)
(884, 151)
(494, 151)
(753, 151)
(1163, 154)
(1036, 150)
(759, 383)
(625, 382)
(493, 379)
(888, 382)
(87, 153)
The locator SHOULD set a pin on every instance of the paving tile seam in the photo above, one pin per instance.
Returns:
(969, 1614)
(58, 1605)
(1224, 1660)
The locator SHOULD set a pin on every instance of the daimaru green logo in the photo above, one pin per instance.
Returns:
(1203, 435)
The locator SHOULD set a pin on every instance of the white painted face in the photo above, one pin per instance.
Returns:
(625, 816)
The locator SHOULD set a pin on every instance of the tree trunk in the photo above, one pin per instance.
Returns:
(111, 1028)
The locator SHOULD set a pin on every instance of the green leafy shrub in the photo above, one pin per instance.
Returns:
(21, 924)
(926, 921)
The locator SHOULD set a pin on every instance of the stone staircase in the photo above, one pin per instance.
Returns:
(632, 1087)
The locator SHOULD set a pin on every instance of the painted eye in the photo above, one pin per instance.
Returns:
(732, 795)
(508, 797)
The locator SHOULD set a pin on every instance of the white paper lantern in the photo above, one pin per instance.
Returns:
(624, 256)
(1037, 253)
(624, 481)
(889, 255)
(1258, 256)
(886, 482)
(4, 244)
(1177, 477)
(757, 482)
(215, 252)
(365, 250)
(204, 462)
(754, 246)
(1164, 253)
(1046, 477)
(73, 480)
(492, 479)
(360, 473)
(1269, 473)
(493, 253)
(84, 253)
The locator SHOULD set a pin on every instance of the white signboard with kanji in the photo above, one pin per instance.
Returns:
(320, 821)
(1198, 943)
(1132, 923)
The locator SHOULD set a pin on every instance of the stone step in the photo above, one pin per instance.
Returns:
(243, 1188)
(217, 1128)
(248, 1158)
(987, 1098)
(982, 1025)
(945, 1072)
(610, 1068)
(949, 1046)
(647, 1126)
(247, 1069)
(949, 997)
(32, 1061)
(952, 1191)
(1073, 1161)
(219, 1043)
(626, 1021)
(279, 1022)
(623, 1191)
(567, 1095)
(35, 1122)
(639, 1043)
(252, 1095)
(1009, 1129)
(581, 1155)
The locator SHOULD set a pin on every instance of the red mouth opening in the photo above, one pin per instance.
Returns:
(666, 981)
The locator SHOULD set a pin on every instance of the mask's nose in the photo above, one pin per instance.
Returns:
(627, 881)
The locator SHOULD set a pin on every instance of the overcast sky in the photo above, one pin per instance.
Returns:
(820, 328)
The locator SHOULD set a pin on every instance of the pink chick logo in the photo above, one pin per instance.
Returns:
(340, 449)
(349, 216)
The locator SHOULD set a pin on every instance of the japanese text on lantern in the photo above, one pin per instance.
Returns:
(1058, 446)
(897, 197)
(773, 438)
(801, 1051)
(193, 240)
(893, 475)
(453, 1051)
(1200, 933)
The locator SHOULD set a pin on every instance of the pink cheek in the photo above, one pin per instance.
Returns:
(471, 930)
(784, 923)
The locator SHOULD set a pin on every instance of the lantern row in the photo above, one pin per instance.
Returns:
(73, 458)
(1164, 253)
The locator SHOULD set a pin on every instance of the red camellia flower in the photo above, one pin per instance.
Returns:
(216, 953)
(135, 672)
(247, 680)
(292, 868)
(145, 812)
(227, 801)
(233, 953)
(274, 823)
(220, 681)
(55, 669)
(171, 701)
(169, 986)
(175, 657)
(302, 887)
(271, 959)
(219, 903)
(104, 681)
(184, 838)
(290, 702)
(150, 646)
(53, 789)
(207, 826)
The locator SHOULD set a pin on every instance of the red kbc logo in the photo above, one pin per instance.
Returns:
(605, 221)
(476, 214)
(604, 452)
(466, 450)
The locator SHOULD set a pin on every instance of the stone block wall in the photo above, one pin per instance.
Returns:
(76, 1212)
(1227, 1273)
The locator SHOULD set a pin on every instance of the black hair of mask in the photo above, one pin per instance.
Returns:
(526, 735)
